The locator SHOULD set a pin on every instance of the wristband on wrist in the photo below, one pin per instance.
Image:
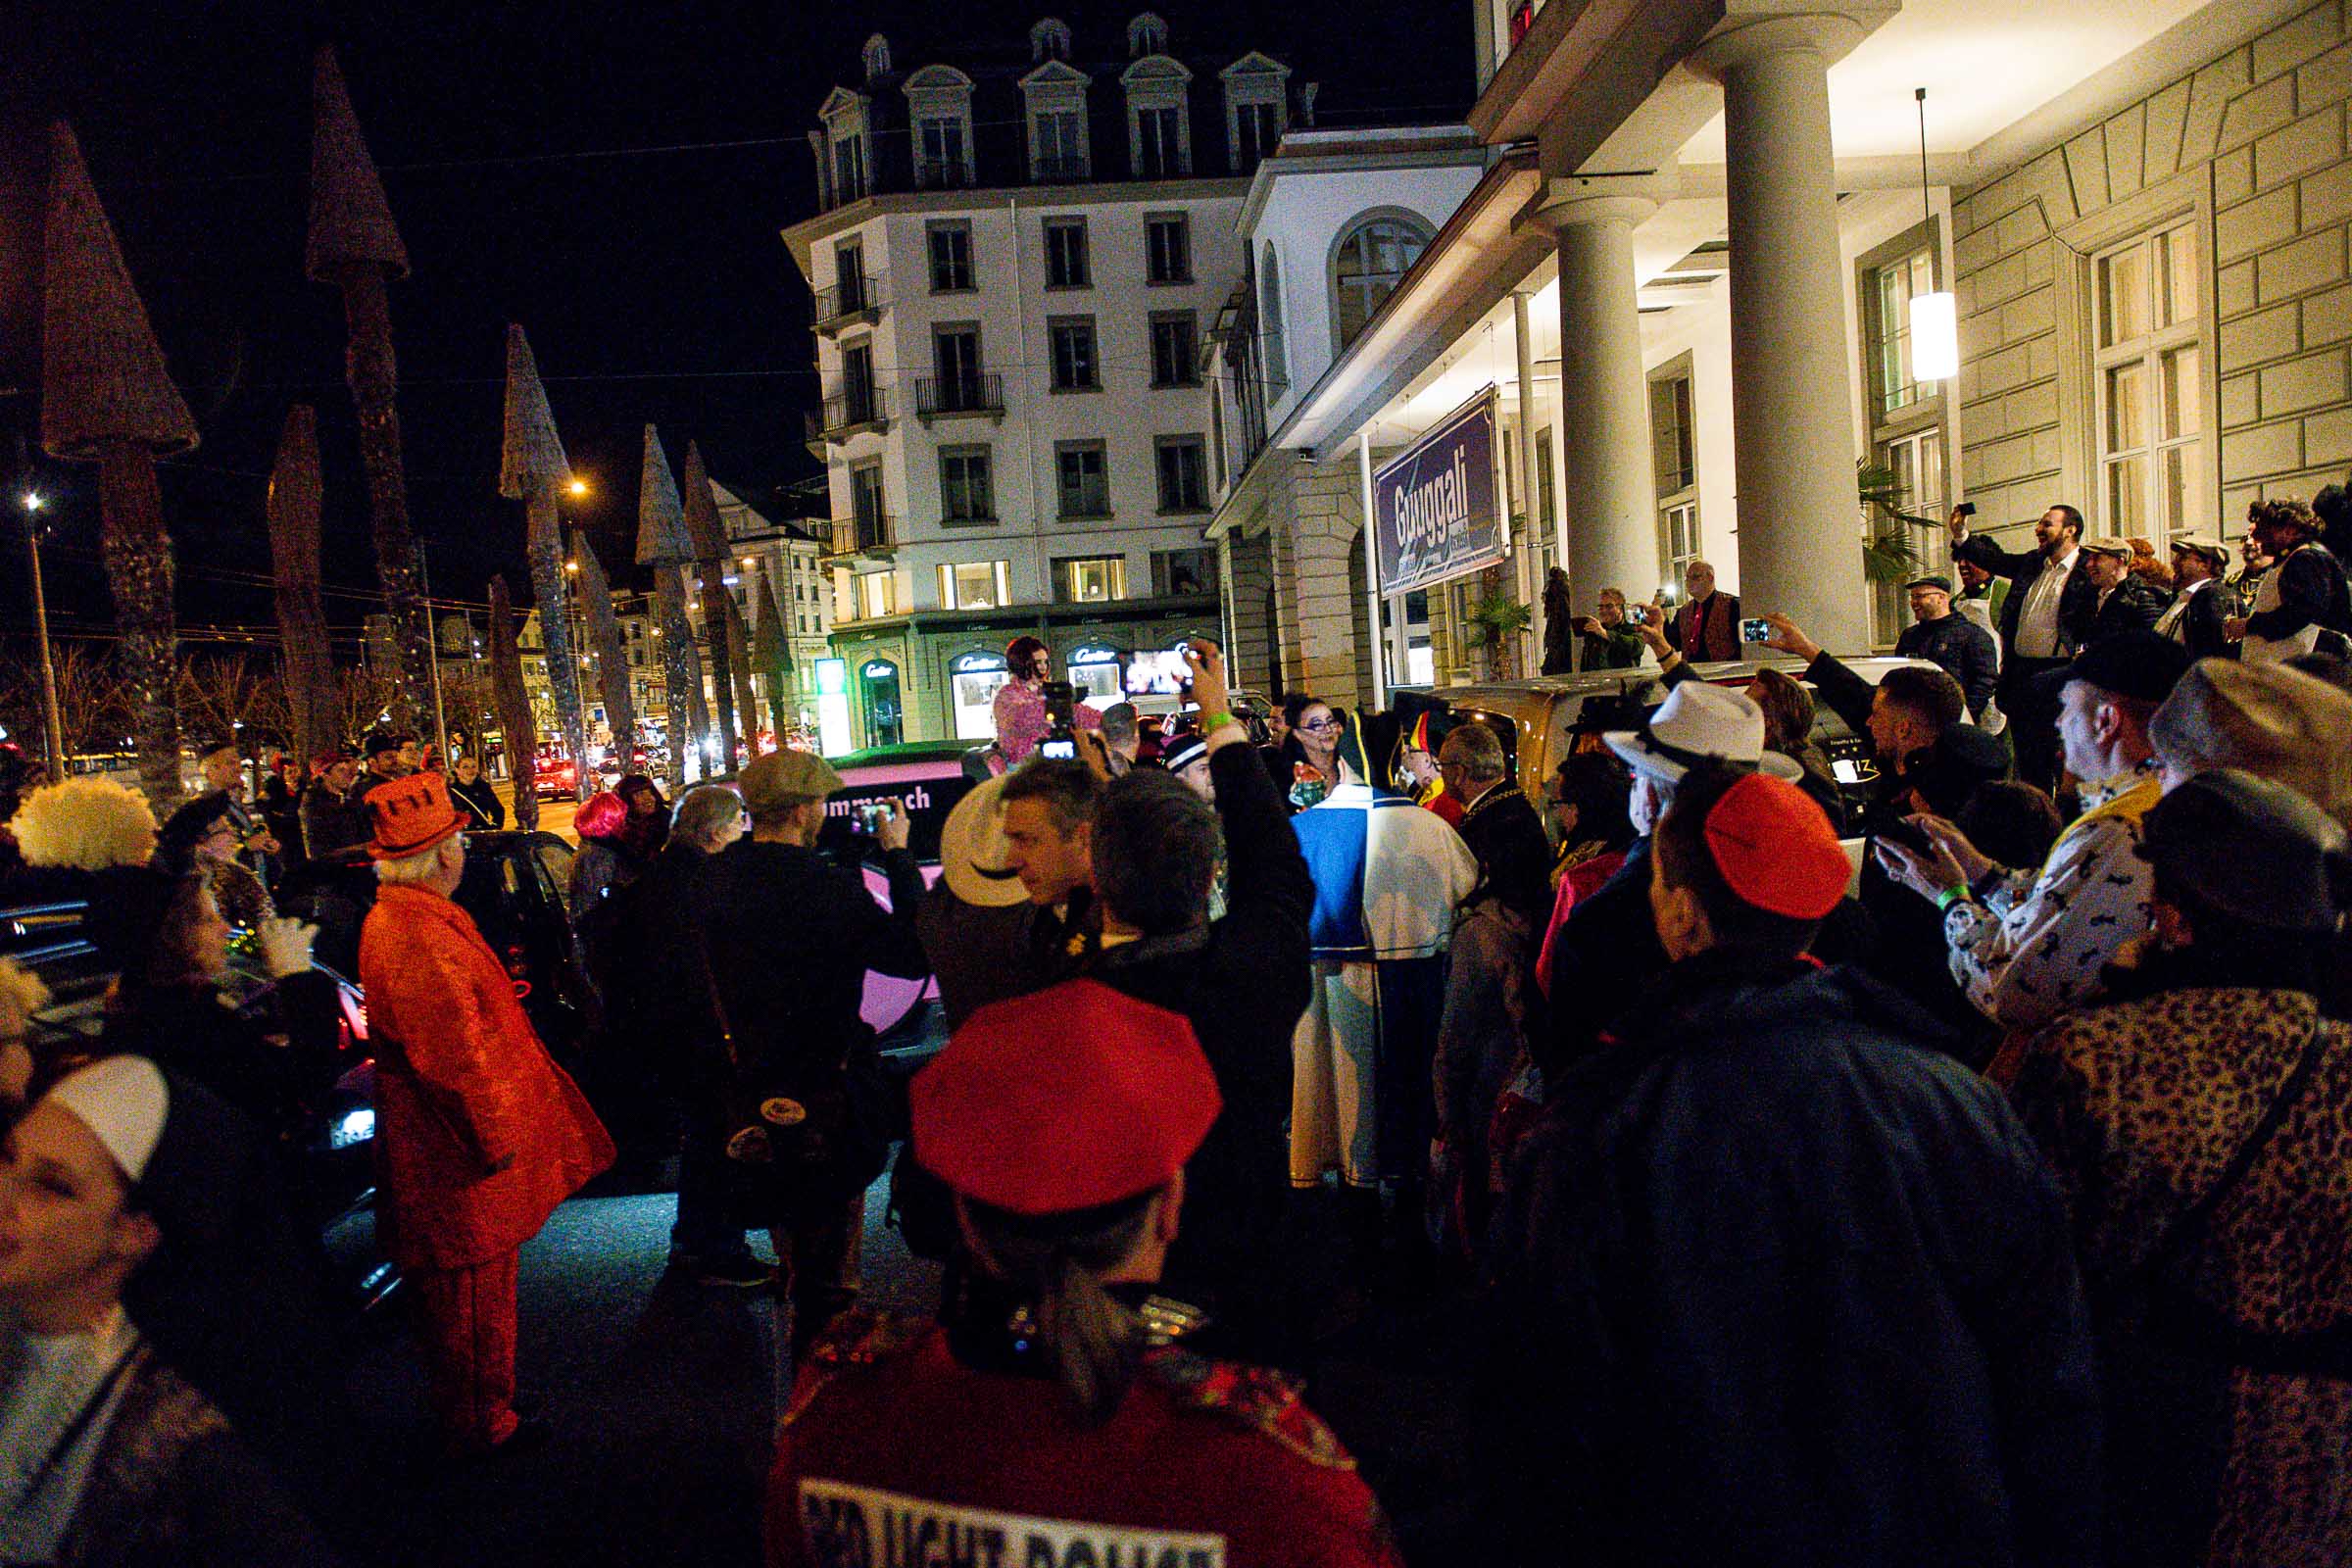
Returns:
(1214, 721)
(1951, 896)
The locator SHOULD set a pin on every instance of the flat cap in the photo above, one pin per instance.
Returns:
(784, 778)
(2203, 543)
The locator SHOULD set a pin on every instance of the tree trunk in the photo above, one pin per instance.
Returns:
(374, 377)
(515, 705)
(612, 654)
(680, 678)
(545, 541)
(312, 703)
(739, 662)
(718, 604)
(138, 571)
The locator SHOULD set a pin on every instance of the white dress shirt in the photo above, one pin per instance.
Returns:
(2037, 634)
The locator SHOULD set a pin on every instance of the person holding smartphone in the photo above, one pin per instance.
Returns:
(1021, 704)
(1608, 640)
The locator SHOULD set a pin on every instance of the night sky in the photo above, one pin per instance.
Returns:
(652, 283)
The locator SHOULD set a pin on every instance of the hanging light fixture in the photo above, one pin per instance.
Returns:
(1934, 317)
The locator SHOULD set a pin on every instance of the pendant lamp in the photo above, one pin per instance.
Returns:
(1934, 317)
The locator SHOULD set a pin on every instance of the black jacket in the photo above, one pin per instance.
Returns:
(332, 823)
(1773, 1285)
(1607, 952)
(269, 1058)
(2078, 601)
(789, 937)
(1514, 852)
(1242, 982)
(2135, 605)
(479, 798)
(2199, 627)
(1909, 950)
(1964, 650)
(2311, 588)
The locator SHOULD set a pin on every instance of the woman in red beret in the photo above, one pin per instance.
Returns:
(1052, 1414)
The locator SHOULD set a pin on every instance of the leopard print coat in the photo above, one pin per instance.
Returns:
(2140, 1106)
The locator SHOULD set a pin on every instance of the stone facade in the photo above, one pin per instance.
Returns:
(2250, 148)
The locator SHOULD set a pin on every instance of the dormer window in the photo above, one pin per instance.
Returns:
(877, 58)
(1055, 96)
(1147, 34)
(939, 106)
(1159, 136)
(1050, 39)
(847, 153)
(1256, 109)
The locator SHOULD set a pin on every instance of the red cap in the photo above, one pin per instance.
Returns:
(1070, 1097)
(412, 815)
(1776, 849)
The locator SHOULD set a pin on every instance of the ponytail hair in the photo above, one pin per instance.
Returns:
(1094, 1341)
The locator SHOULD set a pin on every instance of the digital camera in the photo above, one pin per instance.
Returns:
(1754, 630)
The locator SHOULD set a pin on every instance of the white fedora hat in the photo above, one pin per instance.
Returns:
(973, 851)
(1701, 725)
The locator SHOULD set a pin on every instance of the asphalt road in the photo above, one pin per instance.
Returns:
(662, 1395)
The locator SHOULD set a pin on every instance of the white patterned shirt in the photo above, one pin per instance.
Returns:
(2036, 944)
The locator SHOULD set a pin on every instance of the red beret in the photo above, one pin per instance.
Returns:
(1070, 1097)
(1776, 849)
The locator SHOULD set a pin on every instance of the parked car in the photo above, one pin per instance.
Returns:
(1536, 718)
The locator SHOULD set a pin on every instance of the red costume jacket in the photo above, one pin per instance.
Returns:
(463, 1083)
(893, 1441)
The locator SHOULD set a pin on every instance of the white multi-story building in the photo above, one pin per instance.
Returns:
(1016, 268)
(1332, 222)
(2001, 251)
(786, 557)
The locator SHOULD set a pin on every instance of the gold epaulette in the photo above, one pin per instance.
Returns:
(1260, 1398)
(860, 1337)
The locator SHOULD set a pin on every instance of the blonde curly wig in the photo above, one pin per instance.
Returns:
(85, 823)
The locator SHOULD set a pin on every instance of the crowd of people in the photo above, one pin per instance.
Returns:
(1940, 1169)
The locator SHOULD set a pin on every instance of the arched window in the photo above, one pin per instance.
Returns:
(877, 58)
(1366, 267)
(1147, 34)
(1269, 320)
(1050, 39)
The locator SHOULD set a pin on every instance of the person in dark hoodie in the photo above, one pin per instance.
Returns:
(1804, 1291)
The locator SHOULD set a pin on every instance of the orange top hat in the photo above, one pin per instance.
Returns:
(412, 815)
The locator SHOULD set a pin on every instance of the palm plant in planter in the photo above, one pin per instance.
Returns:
(1887, 555)
(1500, 620)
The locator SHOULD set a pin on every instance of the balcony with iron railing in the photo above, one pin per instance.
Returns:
(943, 173)
(964, 392)
(860, 409)
(1056, 170)
(859, 297)
(875, 534)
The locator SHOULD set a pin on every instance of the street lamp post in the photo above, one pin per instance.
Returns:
(424, 586)
(52, 727)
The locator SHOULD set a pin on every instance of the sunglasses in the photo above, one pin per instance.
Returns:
(1322, 725)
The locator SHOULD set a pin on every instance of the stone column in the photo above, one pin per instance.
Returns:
(1608, 502)
(1801, 544)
